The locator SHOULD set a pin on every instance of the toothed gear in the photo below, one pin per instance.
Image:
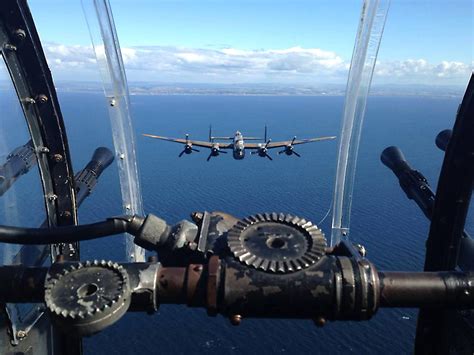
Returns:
(276, 243)
(87, 297)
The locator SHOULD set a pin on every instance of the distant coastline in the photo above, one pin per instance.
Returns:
(176, 89)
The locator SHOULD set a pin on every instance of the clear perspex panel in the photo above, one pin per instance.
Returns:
(21, 195)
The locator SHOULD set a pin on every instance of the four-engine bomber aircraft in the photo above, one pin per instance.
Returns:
(238, 146)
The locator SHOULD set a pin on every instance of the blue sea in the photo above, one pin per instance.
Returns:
(390, 226)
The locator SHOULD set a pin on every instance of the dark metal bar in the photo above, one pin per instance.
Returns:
(454, 190)
(448, 218)
(337, 288)
(426, 289)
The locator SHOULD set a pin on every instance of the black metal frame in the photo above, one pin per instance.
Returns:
(24, 57)
(33, 82)
(447, 224)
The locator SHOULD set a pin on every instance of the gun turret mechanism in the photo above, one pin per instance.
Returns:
(268, 265)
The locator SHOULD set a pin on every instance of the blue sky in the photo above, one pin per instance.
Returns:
(434, 38)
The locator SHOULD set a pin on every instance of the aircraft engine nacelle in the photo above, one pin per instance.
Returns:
(289, 149)
(188, 148)
(263, 150)
(215, 150)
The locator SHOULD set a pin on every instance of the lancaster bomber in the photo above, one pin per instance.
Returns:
(238, 145)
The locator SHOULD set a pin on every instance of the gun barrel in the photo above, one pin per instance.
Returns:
(442, 139)
(86, 179)
(19, 162)
(413, 183)
(393, 158)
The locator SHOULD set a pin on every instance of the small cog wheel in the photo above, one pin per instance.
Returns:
(276, 243)
(87, 297)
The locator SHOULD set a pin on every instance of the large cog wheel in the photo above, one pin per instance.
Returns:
(276, 243)
(87, 297)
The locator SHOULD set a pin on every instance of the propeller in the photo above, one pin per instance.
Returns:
(188, 147)
(289, 149)
(263, 151)
(215, 151)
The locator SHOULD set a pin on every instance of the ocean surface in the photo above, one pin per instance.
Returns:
(390, 226)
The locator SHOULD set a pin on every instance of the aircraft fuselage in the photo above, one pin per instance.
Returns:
(239, 147)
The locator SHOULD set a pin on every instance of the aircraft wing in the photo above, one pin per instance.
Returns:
(285, 143)
(194, 143)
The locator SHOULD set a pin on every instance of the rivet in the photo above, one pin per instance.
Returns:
(320, 321)
(21, 334)
(66, 214)
(57, 158)
(235, 319)
(42, 99)
(20, 34)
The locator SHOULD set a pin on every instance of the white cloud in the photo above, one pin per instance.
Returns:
(63, 57)
(228, 65)
(421, 71)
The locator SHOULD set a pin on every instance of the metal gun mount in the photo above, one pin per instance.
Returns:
(267, 265)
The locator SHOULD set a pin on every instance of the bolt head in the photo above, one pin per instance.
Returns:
(320, 321)
(20, 34)
(57, 158)
(235, 319)
(42, 99)
(20, 334)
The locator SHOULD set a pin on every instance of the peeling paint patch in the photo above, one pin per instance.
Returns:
(270, 290)
(315, 274)
(319, 290)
